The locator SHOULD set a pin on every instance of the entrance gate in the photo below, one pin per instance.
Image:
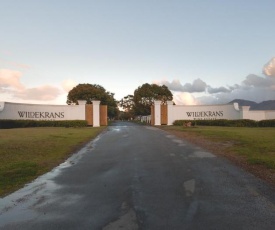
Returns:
(95, 114)
(152, 115)
(159, 113)
(103, 115)
(163, 115)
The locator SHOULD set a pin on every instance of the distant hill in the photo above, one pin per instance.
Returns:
(265, 105)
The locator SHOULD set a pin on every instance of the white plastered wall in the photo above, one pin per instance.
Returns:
(255, 115)
(270, 114)
(18, 111)
(206, 112)
(200, 112)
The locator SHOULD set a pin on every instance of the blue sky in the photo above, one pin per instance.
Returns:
(205, 51)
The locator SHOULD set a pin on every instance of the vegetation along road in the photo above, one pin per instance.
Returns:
(141, 177)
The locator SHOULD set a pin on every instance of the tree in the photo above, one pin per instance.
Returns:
(145, 95)
(127, 104)
(90, 92)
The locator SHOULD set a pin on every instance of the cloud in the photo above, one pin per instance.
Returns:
(184, 99)
(43, 93)
(253, 80)
(221, 89)
(10, 79)
(68, 84)
(251, 94)
(253, 87)
(269, 68)
(11, 85)
(196, 87)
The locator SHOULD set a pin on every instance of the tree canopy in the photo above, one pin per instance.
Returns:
(90, 92)
(145, 95)
(127, 104)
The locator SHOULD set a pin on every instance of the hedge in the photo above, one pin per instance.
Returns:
(8, 124)
(267, 123)
(230, 123)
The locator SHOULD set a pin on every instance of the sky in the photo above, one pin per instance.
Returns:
(206, 52)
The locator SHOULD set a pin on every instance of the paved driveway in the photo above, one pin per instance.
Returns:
(140, 177)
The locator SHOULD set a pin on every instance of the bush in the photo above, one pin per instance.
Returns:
(267, 123)
(182, 122)
(220, 122)
(8, 124)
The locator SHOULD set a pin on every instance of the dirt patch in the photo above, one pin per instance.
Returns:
(222, 149)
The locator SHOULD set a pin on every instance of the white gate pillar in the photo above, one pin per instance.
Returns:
(96, 113)
(169, 112)
(157, 112)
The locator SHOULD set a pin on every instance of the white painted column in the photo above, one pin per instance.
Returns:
(96, 113)
(157, 112)
(170, 119)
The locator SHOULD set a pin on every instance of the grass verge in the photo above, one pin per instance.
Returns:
(251, 148)
(27, 153)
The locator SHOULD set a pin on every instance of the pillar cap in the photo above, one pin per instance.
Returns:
(81, 102)
(95, 102)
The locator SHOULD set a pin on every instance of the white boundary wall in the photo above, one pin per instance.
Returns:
(16, 111)
(208, 112)
(19, 111)
(203, 112)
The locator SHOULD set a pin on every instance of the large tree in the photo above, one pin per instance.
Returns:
(145, 95)
(89, 92)
(127, 105)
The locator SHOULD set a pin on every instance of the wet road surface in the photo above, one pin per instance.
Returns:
(140, 177)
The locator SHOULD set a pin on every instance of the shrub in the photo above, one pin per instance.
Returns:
(220, 122)
(267, 123)
(8, 124)
(181, 122)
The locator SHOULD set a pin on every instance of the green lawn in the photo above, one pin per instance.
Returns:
(27, 153)
(257, 145)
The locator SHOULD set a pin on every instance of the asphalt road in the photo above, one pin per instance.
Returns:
(140, 177)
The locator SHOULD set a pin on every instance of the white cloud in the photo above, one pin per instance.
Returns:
(43, 93)
(222, 89)
(196, 87)
(184, 99)
(253, 87)
(68, 84)
(269, 68)
(12, 88)
(10, 79)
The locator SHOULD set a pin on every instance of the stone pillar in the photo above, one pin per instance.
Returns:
(170, 119)
(96, 113)
(157, 112)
